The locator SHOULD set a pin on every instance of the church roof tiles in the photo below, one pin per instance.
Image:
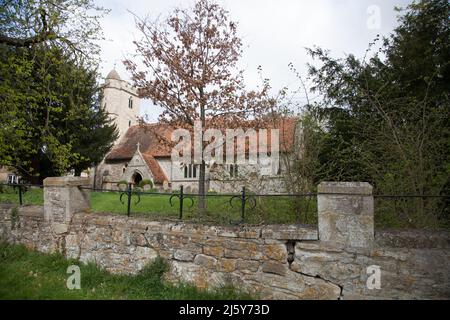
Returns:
(151, 139)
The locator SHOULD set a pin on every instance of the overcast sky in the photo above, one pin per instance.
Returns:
(274, 33)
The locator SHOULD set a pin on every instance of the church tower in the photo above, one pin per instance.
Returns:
(122, 101)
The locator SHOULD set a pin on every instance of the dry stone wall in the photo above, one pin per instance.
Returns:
(274, 262)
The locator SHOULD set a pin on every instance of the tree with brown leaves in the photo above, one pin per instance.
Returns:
(187, 66)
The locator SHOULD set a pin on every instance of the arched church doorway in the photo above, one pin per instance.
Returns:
(136, 178)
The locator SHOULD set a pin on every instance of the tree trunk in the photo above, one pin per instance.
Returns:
(202, 176)
(33, 179)
(201, 188)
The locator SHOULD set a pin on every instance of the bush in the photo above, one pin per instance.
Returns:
(121, 183)
(146, 183)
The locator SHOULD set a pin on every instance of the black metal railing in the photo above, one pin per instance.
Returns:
(18, 190)
(404, 210)
(301, 208)
(181, 197)
(240, 207)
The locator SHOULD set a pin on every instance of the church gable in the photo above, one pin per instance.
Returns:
(137, 169)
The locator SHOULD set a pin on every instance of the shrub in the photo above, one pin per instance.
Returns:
(122, 182)
(146, 183)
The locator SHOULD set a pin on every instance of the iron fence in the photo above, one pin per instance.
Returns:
(405, 210)
(19, 190)
(235, 208)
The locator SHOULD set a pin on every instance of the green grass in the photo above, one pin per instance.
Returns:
(26, 274)
(273, 209)
(268, 210)
(389, 213)
(33, 196)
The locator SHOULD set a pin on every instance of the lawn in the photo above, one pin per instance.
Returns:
(389, 213)
(273, 209)
(33, 196)
(26, 274)
(259, 210)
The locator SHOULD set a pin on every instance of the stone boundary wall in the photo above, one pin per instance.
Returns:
(276, 262)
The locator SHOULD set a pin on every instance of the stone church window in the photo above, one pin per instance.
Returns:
(190, 171)
(130, 103)
(129, 123)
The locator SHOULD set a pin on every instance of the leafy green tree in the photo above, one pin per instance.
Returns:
(49, 98)
(52, 115)
(388, 115)
(71, 25)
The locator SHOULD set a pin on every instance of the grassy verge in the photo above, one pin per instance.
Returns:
(27, 274)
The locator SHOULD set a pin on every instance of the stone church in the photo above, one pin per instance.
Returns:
(139, 154)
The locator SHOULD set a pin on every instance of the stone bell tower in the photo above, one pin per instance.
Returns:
(121, 100)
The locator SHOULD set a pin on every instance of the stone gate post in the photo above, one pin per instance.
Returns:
(62, 199)
(346, 214)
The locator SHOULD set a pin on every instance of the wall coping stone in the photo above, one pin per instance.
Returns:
(66, 182)
(357, 188)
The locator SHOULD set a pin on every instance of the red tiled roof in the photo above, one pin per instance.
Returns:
(158, 173)
(149, 137)
(287, 133)
(153, 139)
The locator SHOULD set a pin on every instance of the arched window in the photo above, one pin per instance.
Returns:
(129, 123)
(130, 103)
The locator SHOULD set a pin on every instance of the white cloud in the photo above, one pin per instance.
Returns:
(274, 33)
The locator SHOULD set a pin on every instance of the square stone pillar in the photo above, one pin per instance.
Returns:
(346, 214)
(63, 198)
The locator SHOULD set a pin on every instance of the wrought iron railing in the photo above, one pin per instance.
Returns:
(245, 204)
(405, 210)
(20, 189)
